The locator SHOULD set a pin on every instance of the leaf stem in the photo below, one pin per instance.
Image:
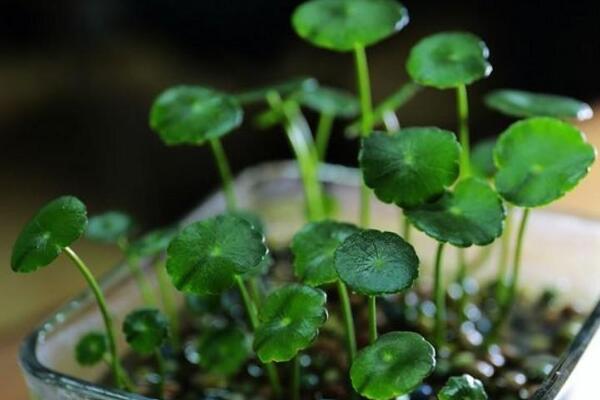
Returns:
(502, 280)
(372, 304)
(406, 231)
(162, 372)
(168, 300)
(462, 104)
(225, 172)
(106, 317)
(348, 320)
(440, 299)
(296, 377)
(323, 134)
(143, 284)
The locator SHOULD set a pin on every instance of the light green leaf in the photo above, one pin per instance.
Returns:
(330, 101)
(145, 330)
(152, 243)
(463, 387)
(223, 351)
(109, 227)
(482, 159)
(91, 349)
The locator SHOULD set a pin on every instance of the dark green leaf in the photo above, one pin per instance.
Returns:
(411, 166)
(110, 227)
(482, 159)
(314, 247)
(194, 115)
(330, 101)
(340, 25)
(463, 387)
(90, 349)
(448, 59)
(252, 218)
(223, 351)
(55, 226)
(392, 366)
(290, 319)
(205, 256)
(519, 103)
(145, 330)
(376, 263)
(153, 243)
(539, 160)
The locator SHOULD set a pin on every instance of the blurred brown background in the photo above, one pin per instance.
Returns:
(77, 78)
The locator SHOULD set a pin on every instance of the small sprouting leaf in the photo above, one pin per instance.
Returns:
(471, 214)
(109, 227)
(55, 226)
(340, 25)
(283, 89)
(330, 101)
(205, 256)
(411, 166)
(449, 59)
(539, 160)
(152, 243)
(376, 263)
(193, 115)
(314, 247)
(392, 366)
(463, 387)
(223, 351)
(90, 349)
(522, 104)
(482, 159)
(290, 319)
(145, 330)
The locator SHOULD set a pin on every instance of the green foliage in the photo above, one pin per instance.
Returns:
(376, 263)
(522, 104)
(392, 366)
(223, 351)
(314, 247)
(55, 226)
(539, 160)
(448, 60)
(91, 349)
(286, 88)
(193, 115)
(152, 243)
(330, 101)
(471, 214)
(463, 387)
(411, 166)
(340, 25)
(290, 319)
(145, 330)
(205, 256)
(110, 227)
(482, 159)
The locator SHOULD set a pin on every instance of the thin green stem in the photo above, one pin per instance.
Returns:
(225, 172)
(462, 103)
(406, 229)
(502, 280)
(255, 290)
(440, 299)
(106, 317)
(348, 320)
(141, 279)
(167, 296)
(162, 373)
(296, 377)
(323, 134)
(372, 304)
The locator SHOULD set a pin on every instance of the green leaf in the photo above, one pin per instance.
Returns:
(330, 101)
(482, 159)
(411, 166)
(223, 351)
(375, 263)
(109, 227)
(471, 214)
(252, 218)
(340, 25)
(205, 257)
(90, 349)
(193, 115)
(449, 59)
(152, 243)
(539, 160)
(463, 387)
(392, 366)
(55, 226)
(290, 319)
(519, 103)
(314, 247)
(283, 89)
(145, 330)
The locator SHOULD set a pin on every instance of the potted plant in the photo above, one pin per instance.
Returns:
(334, 309)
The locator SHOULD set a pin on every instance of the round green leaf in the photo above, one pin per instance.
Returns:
(194, 115)
(392, 366)
(109, 227)
(519, 103)
(314, 247)
(145, 330)
(223, 351)
(290, 319)
(55, 226)
(376, 263)
(252, 218)
(471, 214)
(482, 159)
(205, 257)
(411, 166)
(449, 59)
(330, 101)
(152, 243)
(90, 349)
(539, 160)
(463, 387)
(340, 25)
